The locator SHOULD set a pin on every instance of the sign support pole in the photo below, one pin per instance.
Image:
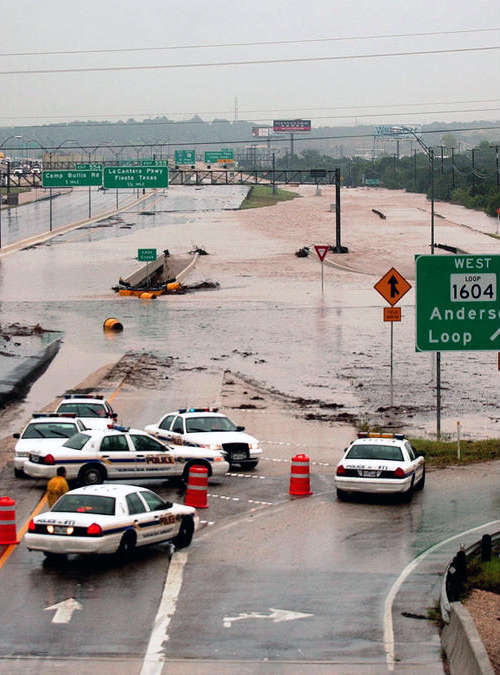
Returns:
(50, 209)
(392, 363)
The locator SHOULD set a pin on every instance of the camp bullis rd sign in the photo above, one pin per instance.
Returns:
(457, 302)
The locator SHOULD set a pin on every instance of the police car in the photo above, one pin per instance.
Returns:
(207, 428)
(44, 431)
(95, 412)
(381, 463)
(93, 456)
(109, 519)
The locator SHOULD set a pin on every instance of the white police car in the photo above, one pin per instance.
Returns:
(380, 463)
(44, 431)
(109, 519)
(93, 409)
(207, 428)
(93, 456)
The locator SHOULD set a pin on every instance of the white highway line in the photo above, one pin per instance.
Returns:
(237, 499)
(155, 657)
(388, 625)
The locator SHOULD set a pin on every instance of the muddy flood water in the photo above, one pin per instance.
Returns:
(268, 318)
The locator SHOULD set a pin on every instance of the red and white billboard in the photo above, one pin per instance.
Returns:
(291, 125)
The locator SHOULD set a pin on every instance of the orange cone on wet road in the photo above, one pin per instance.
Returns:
(299, 476)
(8, 533)
(197, 487)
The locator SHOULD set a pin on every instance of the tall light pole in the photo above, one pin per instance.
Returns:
(430, 155)
(8, 184)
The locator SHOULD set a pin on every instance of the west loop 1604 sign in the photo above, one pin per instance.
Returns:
(292, 125)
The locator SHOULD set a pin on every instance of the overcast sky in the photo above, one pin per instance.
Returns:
(165, 36)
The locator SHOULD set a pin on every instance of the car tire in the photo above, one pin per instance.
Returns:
(408, 495)
(341, 495)
(421, 482)
(54, 557)
(19, 473)
(127, 545)
(185, 535)
(249, 465)
(91, 475)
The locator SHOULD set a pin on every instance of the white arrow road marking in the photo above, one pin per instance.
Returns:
(277, 615)
(495, 334)
(64, 610)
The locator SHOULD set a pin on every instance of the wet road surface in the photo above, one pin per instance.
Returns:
(259, 550)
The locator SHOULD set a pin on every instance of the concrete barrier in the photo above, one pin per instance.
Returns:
(462, 644)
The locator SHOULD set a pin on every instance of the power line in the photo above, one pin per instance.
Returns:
(87, 116)
(248, 44)
(217, 64)
(276, 139)
(143, 123)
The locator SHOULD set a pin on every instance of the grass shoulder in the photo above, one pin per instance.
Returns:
(262, 195)
(445, 453)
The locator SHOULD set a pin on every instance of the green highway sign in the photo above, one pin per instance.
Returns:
(93, 166)
(185, 157)
(71, 178)
(457, 302)
(225, 155)
(154, 162)
(146, 254)
(135, 176)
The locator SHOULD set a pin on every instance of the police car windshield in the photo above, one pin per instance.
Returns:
(208, 424)
(390, 452)
(95, 504)
(84, 409)
(77, 441)
(49, 430)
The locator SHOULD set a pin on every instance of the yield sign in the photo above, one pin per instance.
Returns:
(321, 251)
(392, 286)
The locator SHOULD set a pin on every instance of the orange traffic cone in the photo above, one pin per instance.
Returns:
(299, 476)
(8, 521)
(196, 491)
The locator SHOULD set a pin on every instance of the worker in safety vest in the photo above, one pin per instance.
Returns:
(57, 486)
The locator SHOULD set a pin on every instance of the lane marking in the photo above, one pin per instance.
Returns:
(388, 623)
(155, 655)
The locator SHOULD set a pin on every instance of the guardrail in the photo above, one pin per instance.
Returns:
(460, 639)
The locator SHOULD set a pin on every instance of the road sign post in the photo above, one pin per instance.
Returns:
(321, 251)
(457, 303)
(392, 286)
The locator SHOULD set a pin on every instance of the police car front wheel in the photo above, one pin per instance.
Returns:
(185, 534)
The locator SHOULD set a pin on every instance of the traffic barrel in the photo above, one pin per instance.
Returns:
(8, 533)
(112, 324)
(173, 286)
(299, 476)
(197, 487)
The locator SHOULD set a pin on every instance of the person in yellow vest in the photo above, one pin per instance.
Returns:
(57, 486)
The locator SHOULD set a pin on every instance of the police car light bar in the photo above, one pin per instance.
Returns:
(191, 410)
(118, 427)
(52, 414)
(367, 434)
(98, 396)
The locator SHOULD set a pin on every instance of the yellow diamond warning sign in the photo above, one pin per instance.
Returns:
(392, 286)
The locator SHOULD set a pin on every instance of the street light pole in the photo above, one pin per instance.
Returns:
(430, 156)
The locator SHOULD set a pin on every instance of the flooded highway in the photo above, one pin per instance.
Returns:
(268, 319)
